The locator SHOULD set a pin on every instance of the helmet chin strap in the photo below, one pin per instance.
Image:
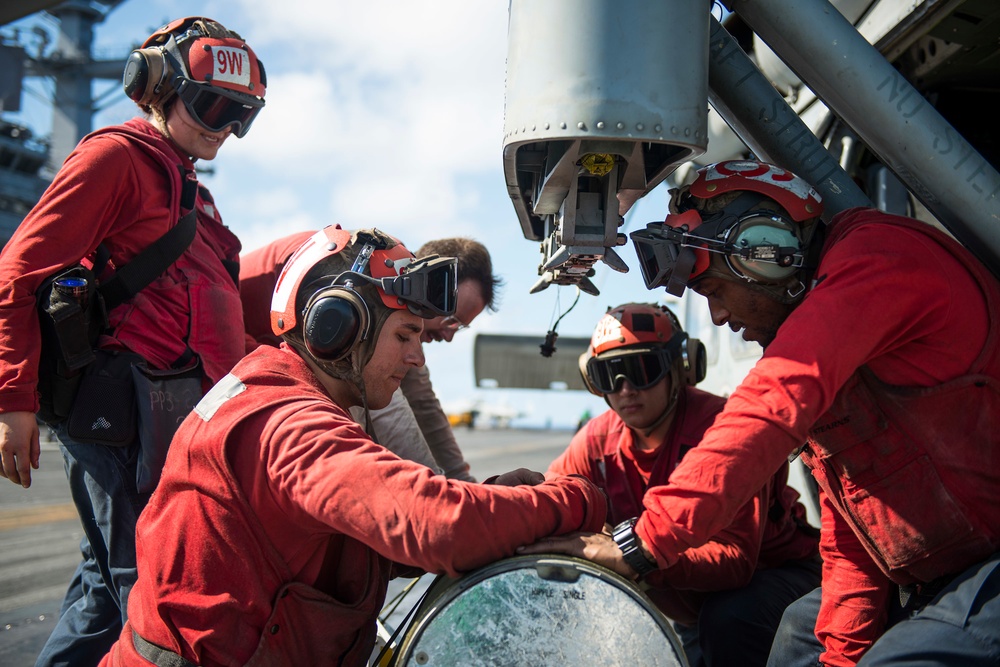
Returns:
(357, 379)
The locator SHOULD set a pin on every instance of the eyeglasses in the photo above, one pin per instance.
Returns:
(642, 370)
(453, 323)
(216, 108)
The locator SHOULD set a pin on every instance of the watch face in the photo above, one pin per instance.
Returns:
(626, 539)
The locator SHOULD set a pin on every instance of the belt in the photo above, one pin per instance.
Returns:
(158, 655)
(917, 595)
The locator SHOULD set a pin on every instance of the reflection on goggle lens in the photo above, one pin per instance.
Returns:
(657, 257)
(641, 370)
(216, 108)
(441, 288)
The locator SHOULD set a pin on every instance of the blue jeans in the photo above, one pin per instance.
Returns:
(959, 627)
(102, 481)
(735, 627)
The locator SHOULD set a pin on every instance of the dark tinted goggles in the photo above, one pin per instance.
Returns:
(642, 370)
(215, 108)
(664, 259)
(428, 287)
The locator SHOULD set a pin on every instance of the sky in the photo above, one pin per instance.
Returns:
(388, 114)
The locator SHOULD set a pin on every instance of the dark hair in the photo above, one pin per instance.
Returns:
(473, 263)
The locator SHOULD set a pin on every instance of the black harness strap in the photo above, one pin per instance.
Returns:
(148, 265)
(158, 655)
(145, 267)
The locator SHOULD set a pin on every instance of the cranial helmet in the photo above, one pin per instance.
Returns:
(209, 67)
(338, 289)
(748, 239)
(641, 343)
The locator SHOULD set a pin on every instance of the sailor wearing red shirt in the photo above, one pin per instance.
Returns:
(118, 192)
(880, 357)
(271, 537)
(729, 594)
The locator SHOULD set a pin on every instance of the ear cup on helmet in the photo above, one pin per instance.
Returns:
(335, 321)
(145, 71)
(584, 358)
(758, 230)
(695, 358)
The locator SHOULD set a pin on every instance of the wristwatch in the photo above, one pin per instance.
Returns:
(626, 539)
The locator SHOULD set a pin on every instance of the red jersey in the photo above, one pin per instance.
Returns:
(273, 527)
(897, 299)
(764, 533)
(259, 270)
(138, 200)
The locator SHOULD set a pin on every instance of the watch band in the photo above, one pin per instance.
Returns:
(626, 539)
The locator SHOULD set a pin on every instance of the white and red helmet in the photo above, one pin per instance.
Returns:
(758, 244)
(210, 68)
(641, 343)
(797, 197)
(336, 291)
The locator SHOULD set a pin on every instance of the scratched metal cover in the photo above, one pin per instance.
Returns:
(538, 611)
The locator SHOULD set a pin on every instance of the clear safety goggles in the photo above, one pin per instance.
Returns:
(216, 108)
(427, 287)
(641, 369)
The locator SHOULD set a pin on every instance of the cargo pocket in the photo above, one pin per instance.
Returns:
(913, 513)
(164, 399)
(104, 411)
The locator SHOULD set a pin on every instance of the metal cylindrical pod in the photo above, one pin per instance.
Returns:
(596, 82)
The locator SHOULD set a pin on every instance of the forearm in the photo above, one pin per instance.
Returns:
(434, 425)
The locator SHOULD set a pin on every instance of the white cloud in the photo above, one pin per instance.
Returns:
(388, 113)
(382, 113)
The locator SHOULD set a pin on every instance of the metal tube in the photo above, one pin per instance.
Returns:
(901, 127)
(763, 120)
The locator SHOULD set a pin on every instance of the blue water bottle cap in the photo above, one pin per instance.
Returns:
(72, 286)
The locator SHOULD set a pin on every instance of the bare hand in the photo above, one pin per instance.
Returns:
(521, 476)
(595, 547)
(19, 448)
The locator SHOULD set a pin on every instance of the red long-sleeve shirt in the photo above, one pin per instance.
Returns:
(270, 484)
(259, 271)
(604, 451)
(111, 190)
(888, 297)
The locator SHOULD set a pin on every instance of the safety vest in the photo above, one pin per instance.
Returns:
(915, 471)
